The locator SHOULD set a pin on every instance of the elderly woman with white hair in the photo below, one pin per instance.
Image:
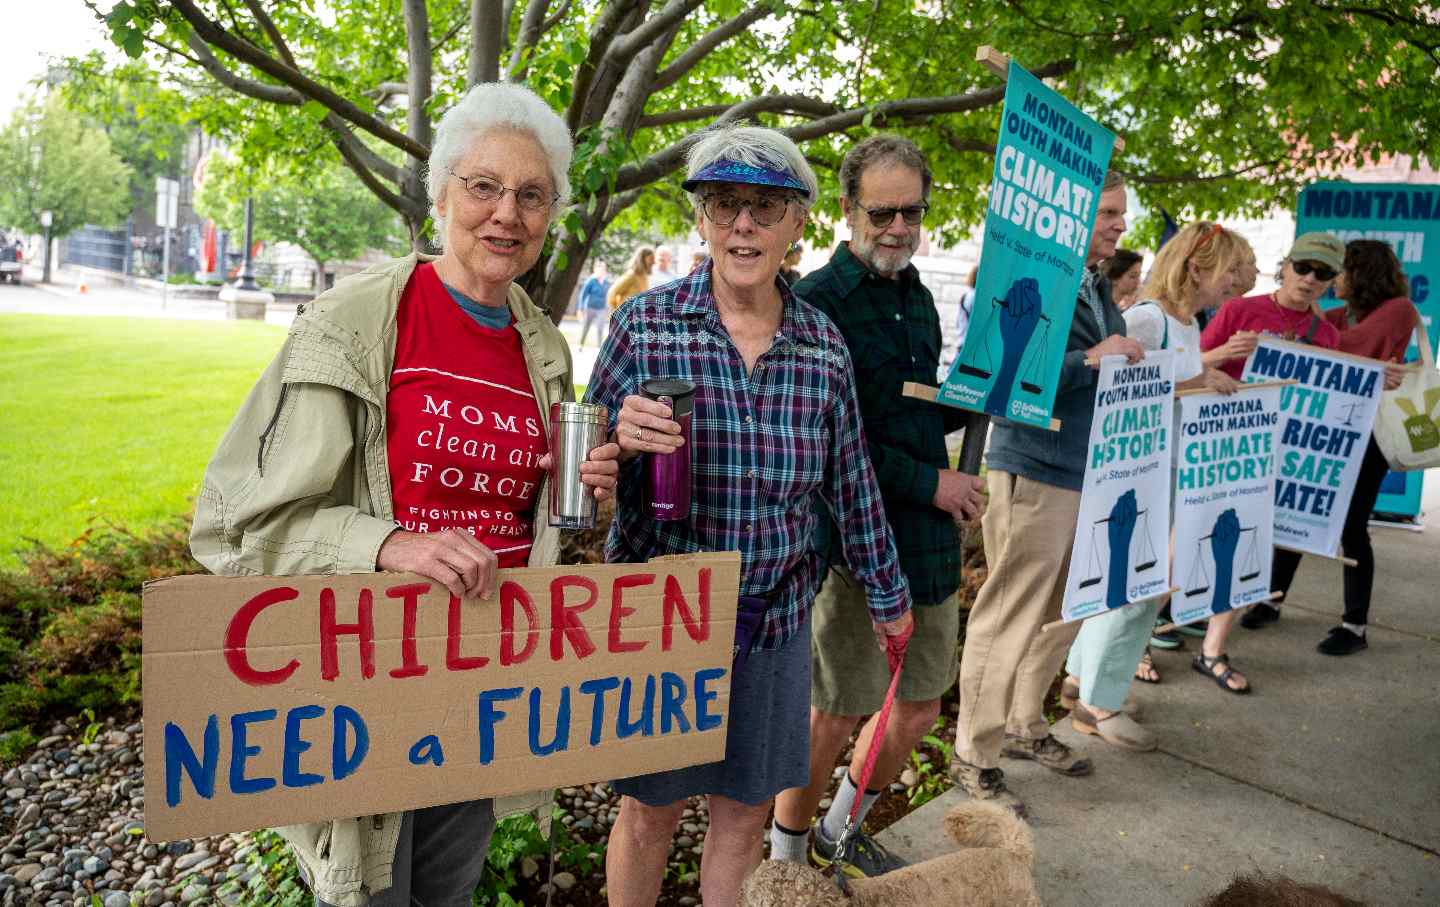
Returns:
(776, 426)
(333, 464)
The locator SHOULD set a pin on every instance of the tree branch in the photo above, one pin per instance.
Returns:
(487, 31)
(261, 91)
(531, 27)
(914, 109)
(707, 43)
(1193, 177)
(267, 25)
(340, 133)
(450, 35)
(213, 34)
(770, 103)
(555, 19)
(411, 212)
(417, 45)
(643, 35)
(611, 18)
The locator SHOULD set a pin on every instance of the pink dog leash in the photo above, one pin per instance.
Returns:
(895, 655)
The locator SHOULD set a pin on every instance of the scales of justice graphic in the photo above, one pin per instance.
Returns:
(1198, 582)
(1015, 318)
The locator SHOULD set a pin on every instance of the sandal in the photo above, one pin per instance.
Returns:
(1207, 667)
(1145, 671)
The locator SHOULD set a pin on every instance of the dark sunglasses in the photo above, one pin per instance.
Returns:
(1309, 267)
(911, 214)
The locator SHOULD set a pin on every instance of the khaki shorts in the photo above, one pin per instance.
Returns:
(849, 675)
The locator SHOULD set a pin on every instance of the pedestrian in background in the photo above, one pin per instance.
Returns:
(593, 307)
(634, 281)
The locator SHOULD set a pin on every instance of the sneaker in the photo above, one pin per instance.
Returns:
(1196, 629)
(866, 858)
(1341, 642)
(984, 784)
(1258, 616)
(1118, 729)
(1049, 752)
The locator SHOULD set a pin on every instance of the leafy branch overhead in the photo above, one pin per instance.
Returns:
(1227, 106)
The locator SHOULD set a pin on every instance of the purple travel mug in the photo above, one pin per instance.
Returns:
(667, 476)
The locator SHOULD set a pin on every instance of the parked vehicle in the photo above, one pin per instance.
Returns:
(12, 260)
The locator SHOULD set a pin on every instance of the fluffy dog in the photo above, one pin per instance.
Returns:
(991, 869)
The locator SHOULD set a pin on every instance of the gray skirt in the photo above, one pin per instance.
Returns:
(767, 743)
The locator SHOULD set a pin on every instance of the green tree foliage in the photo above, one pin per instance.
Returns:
(147, 123)
(325, 210)
(1227, 106)
(50, 159)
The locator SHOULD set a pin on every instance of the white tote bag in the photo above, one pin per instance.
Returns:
(1406, 426)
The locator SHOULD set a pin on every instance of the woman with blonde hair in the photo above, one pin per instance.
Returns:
(1194, 270)
(636, 279)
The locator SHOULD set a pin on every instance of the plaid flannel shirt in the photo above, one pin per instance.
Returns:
(893, 332)
(763, 445)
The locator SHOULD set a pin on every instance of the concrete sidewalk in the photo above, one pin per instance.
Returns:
(1329, 772)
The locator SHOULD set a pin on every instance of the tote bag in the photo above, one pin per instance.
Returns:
(1406, 427)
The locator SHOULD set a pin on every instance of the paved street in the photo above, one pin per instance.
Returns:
(1329, 772)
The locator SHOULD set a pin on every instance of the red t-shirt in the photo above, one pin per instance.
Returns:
(1266, 316)
(1382, 334)
(464, 433)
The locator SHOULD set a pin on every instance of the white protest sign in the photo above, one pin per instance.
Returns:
(1224, 501)
(1325, 425)
(1122, 532)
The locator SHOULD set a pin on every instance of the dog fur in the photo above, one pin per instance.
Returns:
(991, 869)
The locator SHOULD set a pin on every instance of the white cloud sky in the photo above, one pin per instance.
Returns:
(35, 31)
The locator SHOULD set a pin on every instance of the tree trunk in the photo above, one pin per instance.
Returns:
(319, 276)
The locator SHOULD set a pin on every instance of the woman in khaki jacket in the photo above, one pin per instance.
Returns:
(326, 469)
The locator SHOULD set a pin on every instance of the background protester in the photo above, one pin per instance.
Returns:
(873, 294)
(1195, 269)
(1123, 271)
(1292, 312)
(964, 309)
(1376, 321)
(776, 424)
(790, 267)
(593, 308)
(664, 268)
(697, 258)
(1035, 476)
(280, 500)
(634, 281)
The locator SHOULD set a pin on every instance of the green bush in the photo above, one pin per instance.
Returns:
(70, 622)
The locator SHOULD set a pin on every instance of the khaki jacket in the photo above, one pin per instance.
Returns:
(300, 484)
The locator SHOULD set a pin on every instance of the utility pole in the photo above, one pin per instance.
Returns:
(46, 219)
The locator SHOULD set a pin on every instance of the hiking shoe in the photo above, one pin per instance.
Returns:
(865, 859)
(1341, 641)
(1049, 752)
(984, 784)
(1258, 616)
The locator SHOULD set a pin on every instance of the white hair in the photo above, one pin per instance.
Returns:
(497, 105)
(756, 146)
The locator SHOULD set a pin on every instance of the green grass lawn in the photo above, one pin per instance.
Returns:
(113, 419)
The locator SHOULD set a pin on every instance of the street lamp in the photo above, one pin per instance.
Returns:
(46, 219)
(246, 278)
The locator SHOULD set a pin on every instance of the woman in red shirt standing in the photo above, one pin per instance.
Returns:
(1377, 321)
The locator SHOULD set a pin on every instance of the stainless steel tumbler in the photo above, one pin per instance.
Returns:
(575, 430)
(667, 476)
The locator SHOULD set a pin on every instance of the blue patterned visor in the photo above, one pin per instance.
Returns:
(728, 171)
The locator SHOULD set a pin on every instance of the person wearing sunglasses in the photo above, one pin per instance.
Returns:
(1292, 312)
(776, 425)
(1376, 321)
(874, 295)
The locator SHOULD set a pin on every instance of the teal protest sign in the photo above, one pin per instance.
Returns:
(1407, 216)
(1325, 422)
(1050, 163)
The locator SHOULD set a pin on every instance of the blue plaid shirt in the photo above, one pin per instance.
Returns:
(762, 445)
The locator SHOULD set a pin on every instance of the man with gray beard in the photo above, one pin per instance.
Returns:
(873, 294)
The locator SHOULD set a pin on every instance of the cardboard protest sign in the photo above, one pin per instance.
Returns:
(1122, 531)
(1325, 425)
(1049, 166)
(1407, 216)
(277, 700)
(1224, 501)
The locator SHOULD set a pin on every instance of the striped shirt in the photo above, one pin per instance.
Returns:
(762, 445)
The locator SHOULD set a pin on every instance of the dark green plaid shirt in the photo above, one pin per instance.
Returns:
(893, 332)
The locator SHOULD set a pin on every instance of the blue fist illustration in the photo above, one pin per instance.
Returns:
(1224, 538)
(1121, 529)
(1019, 315)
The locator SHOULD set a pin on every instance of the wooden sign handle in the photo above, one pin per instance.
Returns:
(999, 63)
